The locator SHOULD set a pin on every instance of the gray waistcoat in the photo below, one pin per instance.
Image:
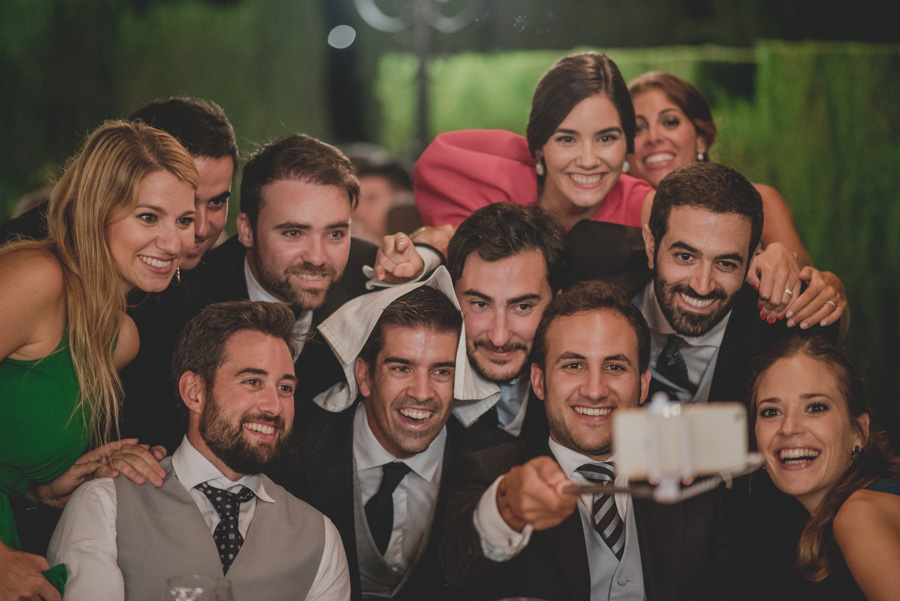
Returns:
(377, 579)
(620, 580)
(161, 534)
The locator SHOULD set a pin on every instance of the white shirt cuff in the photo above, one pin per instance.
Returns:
(499, 542)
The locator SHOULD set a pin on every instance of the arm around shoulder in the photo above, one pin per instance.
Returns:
(867, 531)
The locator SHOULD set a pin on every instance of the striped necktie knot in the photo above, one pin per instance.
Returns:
(607, 521)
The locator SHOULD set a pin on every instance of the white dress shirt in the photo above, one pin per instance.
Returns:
(85, 537)
(700, 353)
(413, 498)
(256, 292)
(499, 542)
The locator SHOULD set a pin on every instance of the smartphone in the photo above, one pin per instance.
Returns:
(683, 440)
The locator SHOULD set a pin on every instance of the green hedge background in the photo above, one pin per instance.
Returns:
(818, 121)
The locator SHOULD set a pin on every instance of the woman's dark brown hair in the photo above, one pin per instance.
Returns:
(567, 82)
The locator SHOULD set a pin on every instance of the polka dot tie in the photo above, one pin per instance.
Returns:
(227, 536)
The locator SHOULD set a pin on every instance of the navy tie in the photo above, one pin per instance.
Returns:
(607, 521)
(380, 508)
(670, 363)
(227, 536)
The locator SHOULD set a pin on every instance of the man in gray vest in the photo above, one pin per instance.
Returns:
(513, 527)
(120, 541)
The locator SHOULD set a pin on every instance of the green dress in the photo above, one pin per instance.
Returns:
(41, 432)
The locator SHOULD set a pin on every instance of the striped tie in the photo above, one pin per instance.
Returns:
(606, 518)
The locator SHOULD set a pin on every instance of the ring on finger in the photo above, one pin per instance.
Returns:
(788, 291)
(832, 303)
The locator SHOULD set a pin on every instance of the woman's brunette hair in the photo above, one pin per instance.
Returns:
(817, 552)
(100, 184)
(567, 82)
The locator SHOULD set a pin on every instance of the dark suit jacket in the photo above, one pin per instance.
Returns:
(485, 432)
(747, 336)
(686, 548)
(152, 408)
(317, 467)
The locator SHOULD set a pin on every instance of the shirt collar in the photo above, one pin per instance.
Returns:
(192, 468)
(656, 319)
(369, 453)
(570, 460)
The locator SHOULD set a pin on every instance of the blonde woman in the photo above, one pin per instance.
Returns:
(121, 217)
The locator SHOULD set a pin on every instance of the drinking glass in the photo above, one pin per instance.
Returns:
(198, 588)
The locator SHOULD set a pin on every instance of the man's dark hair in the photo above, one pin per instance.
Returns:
(201, 346)
(396, 174)
(711, 187)
(594, 295)
(200, 125)
(502, 230)
(300, 158)
(425, 308)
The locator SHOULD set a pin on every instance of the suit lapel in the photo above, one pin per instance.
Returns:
(658, 524)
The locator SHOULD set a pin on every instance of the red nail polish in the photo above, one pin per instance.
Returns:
(762, 316)
(771, 320)
(756, 286)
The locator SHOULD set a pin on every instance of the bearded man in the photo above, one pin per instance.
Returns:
(234, 371)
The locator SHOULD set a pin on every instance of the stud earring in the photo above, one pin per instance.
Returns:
(625, 167)
(856, 453)
(701, 156)
(539, 168)
(178, 275)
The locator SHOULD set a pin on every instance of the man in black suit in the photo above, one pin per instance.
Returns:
(341, 463)
(507, 261)
(704, 320)
(513, 525)
(293, 246)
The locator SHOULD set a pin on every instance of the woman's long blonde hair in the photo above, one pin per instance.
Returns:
(99, 184)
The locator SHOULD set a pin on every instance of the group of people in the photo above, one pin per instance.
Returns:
(406, 420)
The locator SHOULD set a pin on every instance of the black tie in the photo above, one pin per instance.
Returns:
(227, 536)
(380, 508)
(607, 521)
(670, 364)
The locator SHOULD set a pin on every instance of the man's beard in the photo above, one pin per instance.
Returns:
(226, 440)
(688, 323)
(298, 297)
(496, 372)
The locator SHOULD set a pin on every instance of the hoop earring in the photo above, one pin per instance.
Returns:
(856, 453)
(539, 168)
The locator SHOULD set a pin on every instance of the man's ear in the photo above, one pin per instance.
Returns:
(245, 230)
(537, 381)
(363, 377)
(649, 245)
(192, 389)
(645, 386)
